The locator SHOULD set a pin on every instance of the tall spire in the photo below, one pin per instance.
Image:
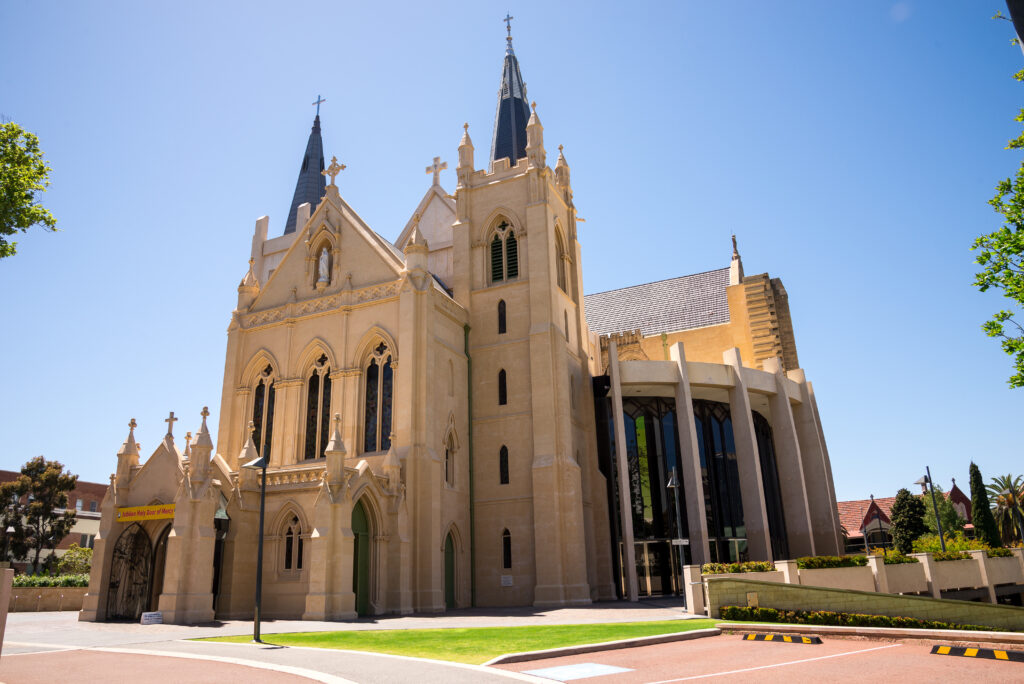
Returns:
(509, 139)
(311, 185)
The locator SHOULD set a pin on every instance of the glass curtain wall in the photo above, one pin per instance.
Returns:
(723, 505)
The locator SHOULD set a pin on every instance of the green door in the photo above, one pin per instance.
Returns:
(449, 572)
(361, 559)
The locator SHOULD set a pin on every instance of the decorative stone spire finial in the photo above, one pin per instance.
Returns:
(535, 140)
(335, 453)
(127, 456)
(736, 265)
(465, 166)
(333, 170)
(170, 420)
(203, 436)
(436, 168)
(392, 466)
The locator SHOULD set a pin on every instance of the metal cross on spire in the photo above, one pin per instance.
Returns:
(436, 169)
(508, 25)
(319, 100)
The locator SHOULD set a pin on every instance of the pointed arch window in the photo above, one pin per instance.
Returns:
(380, 383)
(502, 388)
(503, 465)
(501, 317)
(561, 262)
(293, 545)
(449, 461)
(263, 412)
(506, 549)
(318, 409)
(504, 254)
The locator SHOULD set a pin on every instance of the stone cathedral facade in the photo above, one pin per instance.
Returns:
(449, 421)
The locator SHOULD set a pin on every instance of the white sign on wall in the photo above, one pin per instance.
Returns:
(154, 618)
(506, 580)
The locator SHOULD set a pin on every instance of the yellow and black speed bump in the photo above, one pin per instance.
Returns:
(988, 653)
(786, 638)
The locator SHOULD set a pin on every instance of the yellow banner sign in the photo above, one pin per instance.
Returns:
(140, 513)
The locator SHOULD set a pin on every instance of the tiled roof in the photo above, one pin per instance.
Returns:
(851, 513)
(690, 301)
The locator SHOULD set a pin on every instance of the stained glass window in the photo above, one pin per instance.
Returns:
(263, 413)
(318, 405)
(312, 407)
(377, 418)
(293, 545)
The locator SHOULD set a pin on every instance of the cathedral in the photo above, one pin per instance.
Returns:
(446, 421)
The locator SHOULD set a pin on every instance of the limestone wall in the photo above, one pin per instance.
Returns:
(31, 599)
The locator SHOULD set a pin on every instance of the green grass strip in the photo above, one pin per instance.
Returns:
(474, 645)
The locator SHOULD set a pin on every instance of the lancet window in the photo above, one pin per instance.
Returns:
(501, 317)
(503, 465)
(506, 549)
(502, 387)
(293, 545)
(263, 412)
(561, 263)
(380, 381)
(504, 254)
(449, 461)
(318, 409)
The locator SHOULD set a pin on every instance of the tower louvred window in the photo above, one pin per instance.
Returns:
(497, 272)
(511, 256)
(504, 254)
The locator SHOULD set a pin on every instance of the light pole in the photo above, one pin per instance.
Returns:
(927, 480)
(673, 484)
(261, 465)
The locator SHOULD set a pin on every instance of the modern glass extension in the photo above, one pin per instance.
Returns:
(652, 452)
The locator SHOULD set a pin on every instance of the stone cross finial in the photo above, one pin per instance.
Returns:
(319, 101)
(437, 167)
(533, 105)
(132, 425)
(170, 420)
(333, 170)
(204, 413)
(252, 427)
(559, 148)
(465, 127)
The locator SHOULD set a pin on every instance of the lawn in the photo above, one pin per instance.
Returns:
(476, 645)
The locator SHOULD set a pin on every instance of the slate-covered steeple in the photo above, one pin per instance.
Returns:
(509, 139)
(311, 185)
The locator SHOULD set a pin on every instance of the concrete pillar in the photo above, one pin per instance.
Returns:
(828, 469)
(877, 565)
(689, 461)
(791, 470)
(6, 583)
(925, 559)
(693, 587)
(790, 572)
(981, 558)
(622, 469)
(820, 501)
(755, 514)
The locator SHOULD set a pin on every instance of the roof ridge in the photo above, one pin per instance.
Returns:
(655, 282)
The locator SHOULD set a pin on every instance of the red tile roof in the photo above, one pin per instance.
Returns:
(852, 514)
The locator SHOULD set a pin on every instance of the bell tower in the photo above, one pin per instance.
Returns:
(533, 435)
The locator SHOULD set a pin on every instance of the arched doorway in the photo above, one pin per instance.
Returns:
(159, 561)
(361, 559)
(449, 572)
(131, 575)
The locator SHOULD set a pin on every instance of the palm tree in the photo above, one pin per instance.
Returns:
(1006, 493)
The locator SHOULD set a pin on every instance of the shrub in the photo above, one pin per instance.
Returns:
(725, 568)
(75, 561)
(954, 542)
(899, 558)
(999, 553)
(78, 580)
(951, 556)
(819, 562)
(830, 618)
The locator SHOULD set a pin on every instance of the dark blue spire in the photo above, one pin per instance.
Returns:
(509, 139)
(311, 185)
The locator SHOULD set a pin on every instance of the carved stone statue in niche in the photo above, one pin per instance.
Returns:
(323, 270)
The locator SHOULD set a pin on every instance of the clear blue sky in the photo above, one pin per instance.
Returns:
(852, 147)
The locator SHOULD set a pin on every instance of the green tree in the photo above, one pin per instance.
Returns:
(46, 519)
(23, 174)
(952, 523)
(75, 561)
(13, 545)
(907, 520)
(1007, 493)
(985, 527)
(1001, 257)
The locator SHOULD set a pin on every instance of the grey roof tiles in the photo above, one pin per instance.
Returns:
(690, 301)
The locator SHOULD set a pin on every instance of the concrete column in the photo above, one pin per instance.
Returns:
(929, 572)
(622, 468)
(877, 565)
(791, 470)
(755, 514)
(790, 572)
(694, 590)
(820, 501)
(6, 582)
(981, 558)
(689, 461)
(828, 468)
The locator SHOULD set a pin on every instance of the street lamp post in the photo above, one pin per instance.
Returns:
(261, 465)
(935, 506)
(673, 484)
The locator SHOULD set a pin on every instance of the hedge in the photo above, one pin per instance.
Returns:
(820, 562)
(899, 558)
(748, 566)
(81, 580)
(999, 553)
(827, 617)
(951, 556)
